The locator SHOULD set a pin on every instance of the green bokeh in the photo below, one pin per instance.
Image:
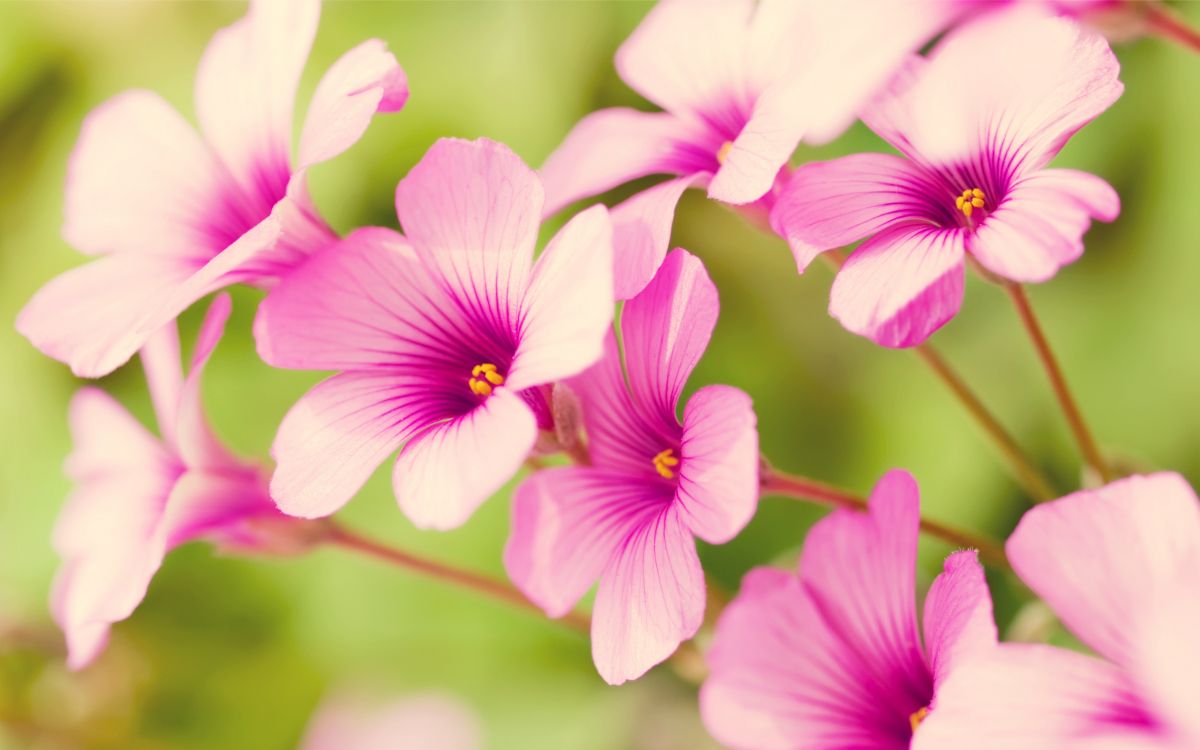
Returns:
(235, 653)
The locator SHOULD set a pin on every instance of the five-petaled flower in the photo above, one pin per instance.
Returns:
(448, 338)
(831, 657)
(976, 123)
(176, 216)
(629, 518)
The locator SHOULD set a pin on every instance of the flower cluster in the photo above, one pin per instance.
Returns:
(472, 359)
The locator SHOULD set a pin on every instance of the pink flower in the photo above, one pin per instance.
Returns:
(1121, 567)
(416, 722)
(629, 518)
(174, 215)
(976, 124)
(448, 339)
(136, 497)
(740, 83)
(831, 658)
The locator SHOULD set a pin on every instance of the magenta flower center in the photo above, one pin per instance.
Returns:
(666, 463)
(484, 378)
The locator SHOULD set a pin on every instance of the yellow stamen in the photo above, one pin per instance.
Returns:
(917, 717)
(970, 200)
(483, 377)
(663, 462)
(723, 152)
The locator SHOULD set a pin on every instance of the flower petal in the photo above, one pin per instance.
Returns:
(718, 472)
(447, 472)
(365, 80)
(471, 210)
(1168, 658)
(651, 599)
(958, 615)
(194, 440)
(642, 233)
(831, 204)
(1098, 557)
(213, 505)
(569, 304)
(418, 721)
(567, 523)
(901, 285)
(164, 377)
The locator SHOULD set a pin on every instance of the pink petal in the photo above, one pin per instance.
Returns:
(194, 440)
(365, 80)
(164, 377)
(901, 285)
(471, 210)
(612, 147)
(335, 436)
(958, 615)
(567, 523)
(651, 599)
(447, 472)
(210, 504)
(1031, 697)
(1099, 556)
(665, 329)
(831, 204)
(1039, 227)
(569, 304)
(1168, 658)
(642, 233)
(246, 92)
(718, 472)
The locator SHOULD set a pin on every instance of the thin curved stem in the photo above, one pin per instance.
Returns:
(801, 488)
(1083, 436)
(339, 536)
(1164, 23)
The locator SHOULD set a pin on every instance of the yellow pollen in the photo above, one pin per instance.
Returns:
(483, 377)
(663, 462)
(917, 717)
(970, 200)
(723, 152)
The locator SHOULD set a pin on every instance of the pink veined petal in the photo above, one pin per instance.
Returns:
(901, 285)
(642, 233)
(471, 210)
(164, 377)
(446, 472)
(140, 180)
(651, 599)
(830, 204)
(762, 148)
(958, 615)
(569, 304)
(859, 570)
(365, 80)
(1099, 556)
(1039, 227)
(781, 679)
(689, 58)
(203, 504)
(417, 722)
(612, 147)
(1031, 697)
(567, 523)
(96, 316)
(718, 471)
(337, 434)
(193, 439)
(246, 92)
(666, 329)
(1168, 657)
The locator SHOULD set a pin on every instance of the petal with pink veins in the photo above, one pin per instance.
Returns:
(642, 232)
(958, 615)
(193, 439)
(719, 459)
(1168, 657)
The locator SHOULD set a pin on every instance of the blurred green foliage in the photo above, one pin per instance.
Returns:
(235, 653)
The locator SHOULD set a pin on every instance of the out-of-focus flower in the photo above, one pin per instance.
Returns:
(137, 497)
(448, 339)
(175, 215)
(416, 722)
(831, 657)
(629, 518)
(1121, 567)
(741, 83)
(976, 124)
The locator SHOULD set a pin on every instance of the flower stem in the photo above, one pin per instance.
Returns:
(1168, 25)
(775, 482)
(482, 584)
(1083, 436)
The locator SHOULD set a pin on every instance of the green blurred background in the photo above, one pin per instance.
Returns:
(235, 653)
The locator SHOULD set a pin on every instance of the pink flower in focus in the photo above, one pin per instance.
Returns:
(740, 83)
(137, 497)
(977, 123)
(174, 215)
(629, 518)
(831, 658)
(417, 722)
(447, 345)
(1121, 567)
